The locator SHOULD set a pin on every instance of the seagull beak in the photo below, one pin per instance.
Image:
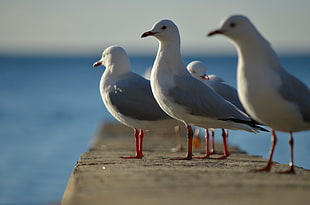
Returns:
(215, 32)
(98, 63)
(148, 33)
(205, 76)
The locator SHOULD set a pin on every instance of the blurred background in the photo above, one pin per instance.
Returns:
(50, 105)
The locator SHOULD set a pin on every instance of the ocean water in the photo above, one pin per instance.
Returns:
(50, 108)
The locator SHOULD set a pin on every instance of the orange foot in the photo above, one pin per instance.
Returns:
(133, 157)
(222, 157)
(264, 169)
(207, 156)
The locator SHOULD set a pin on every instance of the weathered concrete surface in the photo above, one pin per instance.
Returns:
(102, 177)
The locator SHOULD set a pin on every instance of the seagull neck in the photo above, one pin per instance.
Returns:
(169, 57)
(118, 69)
(255, 48)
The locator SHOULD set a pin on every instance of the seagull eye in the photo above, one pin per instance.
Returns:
(163, 27)
(232, 25)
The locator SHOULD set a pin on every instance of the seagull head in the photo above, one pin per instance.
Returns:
(198, 70)
(111, 56)
(234, 27)
(163, 30)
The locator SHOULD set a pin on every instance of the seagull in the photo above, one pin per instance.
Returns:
(128, 97)
(185, 98)
(270, 94)
(198, 70)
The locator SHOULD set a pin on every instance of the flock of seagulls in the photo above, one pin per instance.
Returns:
(178, 95)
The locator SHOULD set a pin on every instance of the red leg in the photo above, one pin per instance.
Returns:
(226, 152)
(267, 168)
(291, 169)
(141, 136)
(189, 144)
(207, 155)
(137, 140)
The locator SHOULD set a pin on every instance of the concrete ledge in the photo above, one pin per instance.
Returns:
(102, 177)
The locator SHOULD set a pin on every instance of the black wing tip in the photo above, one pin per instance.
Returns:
(250, 123)
(261, 128)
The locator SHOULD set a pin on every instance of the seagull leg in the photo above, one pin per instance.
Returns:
(207, 155)
(141, 136)
(137, 140)
(212, 142)
(226, 152)
(179, 146)
(267, 168)
(189, 144)
(291, 169)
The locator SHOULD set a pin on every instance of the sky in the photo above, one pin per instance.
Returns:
(80, 27)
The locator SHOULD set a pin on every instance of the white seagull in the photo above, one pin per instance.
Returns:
(185, 98)
(270, 94)
(128, 97)
(199, 71)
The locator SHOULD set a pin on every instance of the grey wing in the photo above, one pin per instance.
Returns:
(201, 100)
(296, 91)
(132, 96)
(228, 92)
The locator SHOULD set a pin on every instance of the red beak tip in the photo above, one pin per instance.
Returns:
(96, 64)
(214, 33)
(146, 34)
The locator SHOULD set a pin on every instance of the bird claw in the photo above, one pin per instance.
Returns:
(290, 170)
(203, 157)
(264, 169)
(182, 158)
(133, 157)
(222, 157)
(214, 152)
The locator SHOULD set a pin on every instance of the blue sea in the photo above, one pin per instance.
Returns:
(50, 108)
